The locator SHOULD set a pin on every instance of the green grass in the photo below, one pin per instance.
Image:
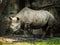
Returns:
(50, 41)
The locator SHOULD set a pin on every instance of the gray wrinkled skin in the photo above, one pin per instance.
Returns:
(35, 17)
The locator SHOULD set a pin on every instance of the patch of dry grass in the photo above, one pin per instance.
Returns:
(50, 41)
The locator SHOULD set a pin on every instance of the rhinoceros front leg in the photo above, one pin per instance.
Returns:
(26, 30)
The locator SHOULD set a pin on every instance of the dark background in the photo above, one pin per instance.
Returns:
(12, 7)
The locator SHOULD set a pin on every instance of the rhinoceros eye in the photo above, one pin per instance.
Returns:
(17, 18)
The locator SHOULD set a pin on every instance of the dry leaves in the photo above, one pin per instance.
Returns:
(6, 40)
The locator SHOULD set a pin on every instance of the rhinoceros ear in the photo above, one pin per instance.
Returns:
(17, 18)
(10, 18)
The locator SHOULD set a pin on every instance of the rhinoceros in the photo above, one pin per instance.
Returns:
(38, 18)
